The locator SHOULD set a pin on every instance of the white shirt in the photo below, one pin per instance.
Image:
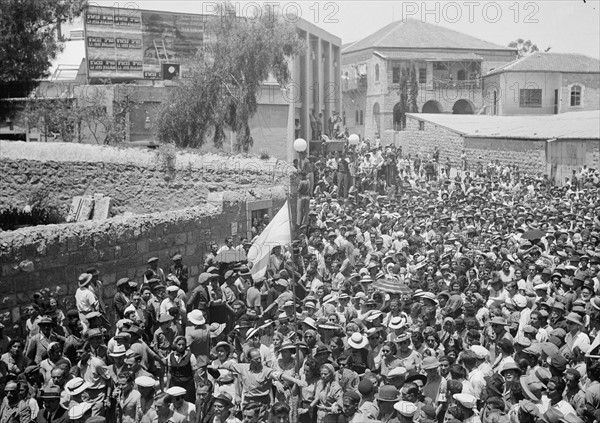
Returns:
(86, 300)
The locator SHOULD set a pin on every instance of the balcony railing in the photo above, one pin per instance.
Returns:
(469, 84)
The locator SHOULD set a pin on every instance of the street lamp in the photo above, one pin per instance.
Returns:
(353, 139)
(300, 145)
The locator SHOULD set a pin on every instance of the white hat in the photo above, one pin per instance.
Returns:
(145, 382)
(430, 296)
(78, 411)
(329, 298)
(76, 386)
(467, 400)
(172, 288)
(309, 321)
(396, 371)
(373, 315)
(407, 409)
(176, 391)
(358, 341)
(118, 351)
(397, 322)
(481, 352)
(196, 317)
(252, 332)
(520, 300)
(129, 309)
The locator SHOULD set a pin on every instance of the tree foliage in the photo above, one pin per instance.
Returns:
(223, 89)
(29, 40)
(72, 119)
(408, 92)
(525, 48)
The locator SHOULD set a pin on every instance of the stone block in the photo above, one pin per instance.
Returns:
(102, 208)
(181, 238)
(76, 258)
(190, 249)
(81, 209)
(143, 246)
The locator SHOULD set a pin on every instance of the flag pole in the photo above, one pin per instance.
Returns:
(293, 275)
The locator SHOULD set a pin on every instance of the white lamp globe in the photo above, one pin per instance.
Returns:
(300, 145)
(353, 139)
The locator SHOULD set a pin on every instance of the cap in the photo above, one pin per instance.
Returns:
(407, 409)
(466, 400)
(176, 391)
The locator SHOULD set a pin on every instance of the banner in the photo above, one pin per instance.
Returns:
(124, 43)
(276, 233)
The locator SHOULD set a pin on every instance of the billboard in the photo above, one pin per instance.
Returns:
(140, 44)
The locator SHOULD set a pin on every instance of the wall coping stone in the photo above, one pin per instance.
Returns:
(142, 157)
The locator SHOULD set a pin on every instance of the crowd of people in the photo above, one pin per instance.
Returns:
(472, 298)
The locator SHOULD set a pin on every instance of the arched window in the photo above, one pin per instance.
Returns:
(376, 73)
(576, 95)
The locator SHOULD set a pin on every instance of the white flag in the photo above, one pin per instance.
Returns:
(276, 233)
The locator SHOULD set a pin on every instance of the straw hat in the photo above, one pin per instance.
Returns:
(358, 341)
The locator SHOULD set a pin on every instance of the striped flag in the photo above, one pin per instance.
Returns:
(276, 233)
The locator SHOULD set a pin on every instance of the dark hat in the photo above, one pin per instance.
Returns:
(225, 398)
(50, 392)
(122, 281)
(92, 271)
(388, 393)
(94, 333)
(414, 375)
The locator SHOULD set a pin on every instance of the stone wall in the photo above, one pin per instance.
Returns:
(171, 202)
(51, 257)
(138, 180)
(528, 155)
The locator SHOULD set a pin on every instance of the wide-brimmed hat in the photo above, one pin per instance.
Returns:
(397, 322)
(51, 392)
(414, 375)
(287, 345)
(497, 320)
(252, 333)
(575, 318)
(76, 386)
(309, 321)
(532, 388)
(510, 365)
(388, 393)
(216, 329)
(84, 279)
(358, 341)
(118, 351)
(430, 363)
(196, 317)
(78, 411)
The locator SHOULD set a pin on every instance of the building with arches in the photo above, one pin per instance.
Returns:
(446, 67)
(543, 84)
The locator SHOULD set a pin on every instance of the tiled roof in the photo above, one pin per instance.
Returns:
(551, 62)
(427, 56)
(412, 33)
(571, 125)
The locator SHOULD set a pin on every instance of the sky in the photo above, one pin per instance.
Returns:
(564, 25)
